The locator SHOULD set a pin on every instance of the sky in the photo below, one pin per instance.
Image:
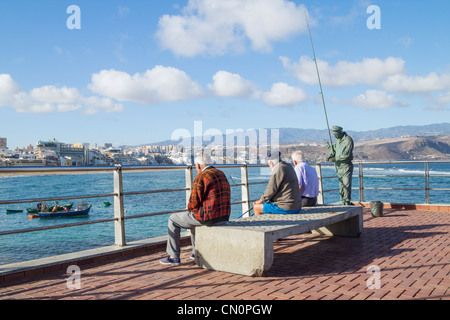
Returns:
(134, 72)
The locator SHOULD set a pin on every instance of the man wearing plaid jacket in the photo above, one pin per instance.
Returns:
(209, 203)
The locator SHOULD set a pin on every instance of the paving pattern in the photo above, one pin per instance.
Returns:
(403, 255)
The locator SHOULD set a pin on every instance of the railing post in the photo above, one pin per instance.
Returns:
(361, 182)
(320, 198)
(189, 177)
(119, 224)
(427, 182)
(245, 190)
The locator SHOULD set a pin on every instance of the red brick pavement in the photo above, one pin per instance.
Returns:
(411, 248)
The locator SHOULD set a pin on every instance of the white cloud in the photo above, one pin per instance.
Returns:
(217, 26)
(281, 94)
(52, 94)
(368, 71)
(50, 99)
(156, 85)
(96, 104)
(8, 89)
(375, 99)
(227, 84)
(417, 84)
(441, 103)
(444, 98)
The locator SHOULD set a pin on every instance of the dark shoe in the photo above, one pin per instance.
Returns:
(169, 261)
(192, 257)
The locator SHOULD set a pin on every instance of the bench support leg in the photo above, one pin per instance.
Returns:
(351, 228)
(237, 251)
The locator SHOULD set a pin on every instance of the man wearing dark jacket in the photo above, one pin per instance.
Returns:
(209, 203)
(282, 194)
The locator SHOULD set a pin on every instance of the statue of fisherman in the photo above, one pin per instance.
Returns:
(342, 155)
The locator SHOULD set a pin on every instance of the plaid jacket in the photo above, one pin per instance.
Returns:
(210, 199)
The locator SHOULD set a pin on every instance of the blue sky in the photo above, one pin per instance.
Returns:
(138, 70)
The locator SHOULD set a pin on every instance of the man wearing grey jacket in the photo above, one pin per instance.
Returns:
(282, 195)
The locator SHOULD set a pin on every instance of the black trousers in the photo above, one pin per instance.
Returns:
(309, 202)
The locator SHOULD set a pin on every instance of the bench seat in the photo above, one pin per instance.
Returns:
(245, 246)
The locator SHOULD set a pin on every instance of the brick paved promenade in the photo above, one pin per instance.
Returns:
(411, 248)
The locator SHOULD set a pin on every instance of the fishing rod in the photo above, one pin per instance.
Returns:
(320, 83)
(245, 212)
(323, 98)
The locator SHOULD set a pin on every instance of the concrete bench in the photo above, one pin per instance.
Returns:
(245, 246)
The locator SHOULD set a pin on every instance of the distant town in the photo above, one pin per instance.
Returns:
(56, 153)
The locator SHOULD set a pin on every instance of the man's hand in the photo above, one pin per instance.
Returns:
(258, 201)
(331, 159)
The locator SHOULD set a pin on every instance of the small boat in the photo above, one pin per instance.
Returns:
(13, 210)
(63, 207)
(107, 203)
(80, 212)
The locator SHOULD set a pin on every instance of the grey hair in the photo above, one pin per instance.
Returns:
(297, 156)
(203, 159)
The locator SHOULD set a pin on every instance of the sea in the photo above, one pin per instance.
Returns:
(40, 244)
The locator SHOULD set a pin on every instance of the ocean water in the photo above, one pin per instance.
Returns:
(34, 245)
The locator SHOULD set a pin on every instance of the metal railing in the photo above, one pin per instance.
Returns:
(426, 175)
(118, 193)
(119, 218)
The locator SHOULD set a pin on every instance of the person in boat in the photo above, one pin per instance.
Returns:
(282, 194)
(342, 155)
(55, 207)
(308, 180)
(209, 203)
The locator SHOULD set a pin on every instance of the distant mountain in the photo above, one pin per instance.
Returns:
(407, 148)
(293, 136)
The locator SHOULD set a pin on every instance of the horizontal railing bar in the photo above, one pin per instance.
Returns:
(262, 182)
(153, 191)
(393, 176)
(237, 185)
(153, 214)
(54, 170)
(399, 162)
(154, 168)
(325, 191)
(59, 198)
(3, 233)
(376, 188)
(439, 189)
(93, 169)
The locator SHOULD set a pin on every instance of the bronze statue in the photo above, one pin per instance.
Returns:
(342, 155)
